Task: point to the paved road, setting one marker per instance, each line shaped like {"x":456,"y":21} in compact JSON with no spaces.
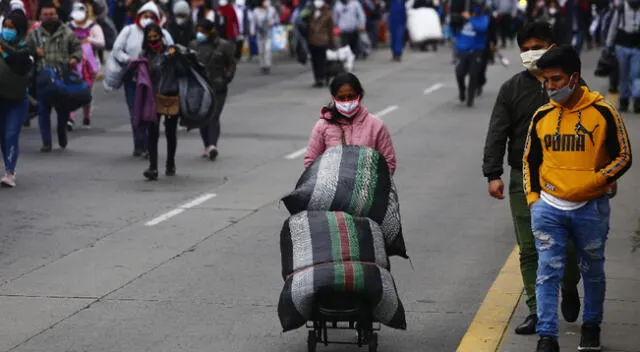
{"x":80,"y":270}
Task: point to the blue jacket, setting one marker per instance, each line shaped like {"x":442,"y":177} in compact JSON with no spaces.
{"x":473,"y":36}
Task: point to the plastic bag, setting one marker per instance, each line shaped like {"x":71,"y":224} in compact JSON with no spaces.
{"x":278,"y":38}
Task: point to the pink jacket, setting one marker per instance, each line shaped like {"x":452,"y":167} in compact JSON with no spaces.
{"x":364,"y":129}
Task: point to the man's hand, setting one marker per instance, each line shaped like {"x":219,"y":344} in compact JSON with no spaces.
{"x":466,"y":15}
{"x":73,"y":62}
{"x":613,"y":189}
{"x":1,"y":49}
{"x":361,"y":28}
{"x":40,"y":52}
{"x":496,"y":189}
{"x":172,"y":50}
{"x":84,"y":40}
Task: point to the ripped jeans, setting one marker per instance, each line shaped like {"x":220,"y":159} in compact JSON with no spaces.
{"x":588,"y":227}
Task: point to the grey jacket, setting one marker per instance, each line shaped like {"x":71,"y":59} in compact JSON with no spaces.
{"x":625,"y":27}
{"x":348,"y":17}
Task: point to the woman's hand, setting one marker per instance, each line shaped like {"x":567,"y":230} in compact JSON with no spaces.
{"x":172,"y":50}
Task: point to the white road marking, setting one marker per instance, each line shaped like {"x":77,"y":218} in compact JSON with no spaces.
{"x":300,"y":152}
{"x":296,"y":154}
{"x":433,"y":88}
{"x":386,"y":110}
{"x":168,"y":215}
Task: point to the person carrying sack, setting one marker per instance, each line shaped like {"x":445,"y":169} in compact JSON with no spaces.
{"x":56,"y":47}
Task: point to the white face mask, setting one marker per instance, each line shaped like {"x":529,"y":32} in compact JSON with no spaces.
{"x":553,"y":11}
{"x":530,"y":58}
{"x":267,"y":3}
{"x":78,"y":15}
{"x":318,"y":4}
{"x":240,"y":2}
{"x":223,"y":3}
{"x":180,"y":20}
{"x":347,"y":108}
{"x":145,"y":22}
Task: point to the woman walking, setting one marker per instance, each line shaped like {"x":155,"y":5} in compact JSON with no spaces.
{"x":92,"y":39}
{"x":265,"y":17}
{"x":320,"y":33}
{"x":155,"y":51}
{"x":15,"y":65}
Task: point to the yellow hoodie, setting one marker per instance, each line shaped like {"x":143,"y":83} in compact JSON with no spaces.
{"x":574,"y":154}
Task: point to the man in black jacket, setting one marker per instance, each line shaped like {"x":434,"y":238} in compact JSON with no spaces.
{"x":517,"y":101}
{"x":218,"y":56}
{"x":180,"y":26}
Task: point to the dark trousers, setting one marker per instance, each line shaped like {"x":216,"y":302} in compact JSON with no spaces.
{"x":318,"y":62}
{"x":352,"y":39}
{"x":211,"y":132}
{"x":239,"y":45}
{"x":469,"y":63}
{"x":171,"y":133}
{"x":44,"y":120}
{"x":505,"y":28}
{"x":372,"y":30}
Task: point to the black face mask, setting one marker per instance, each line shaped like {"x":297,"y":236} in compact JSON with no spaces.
{"x":51,"y":24}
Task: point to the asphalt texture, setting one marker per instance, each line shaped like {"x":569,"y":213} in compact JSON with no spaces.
{"x":80,"y":270}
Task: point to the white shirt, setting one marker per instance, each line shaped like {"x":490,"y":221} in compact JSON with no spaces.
{"x":559,"y":203}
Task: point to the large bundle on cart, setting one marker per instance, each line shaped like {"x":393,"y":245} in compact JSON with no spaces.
{"x":318,"y":237}
{"x":355,"y":180}
{"x":369,"y":281}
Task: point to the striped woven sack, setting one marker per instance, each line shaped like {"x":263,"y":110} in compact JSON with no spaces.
{"x":371,"y":282}
{"x":355,"y":180}
{"x":319,"y":237}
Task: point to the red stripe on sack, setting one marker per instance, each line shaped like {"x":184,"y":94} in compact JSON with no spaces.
{"x":349,"y":279}
{"x":344,"y":236}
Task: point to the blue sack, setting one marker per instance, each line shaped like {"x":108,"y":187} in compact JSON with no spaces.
{"x":64,"y":89}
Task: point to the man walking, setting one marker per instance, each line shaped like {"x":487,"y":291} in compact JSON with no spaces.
{"x":470,"y":44}
{"x":576,"y":149}
{"x":517,"y":101}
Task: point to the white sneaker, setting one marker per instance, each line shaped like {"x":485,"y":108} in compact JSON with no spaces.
{"x":8,"y":181}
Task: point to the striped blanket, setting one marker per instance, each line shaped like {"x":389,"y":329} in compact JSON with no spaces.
{"x":319,"y":237}
{"x":370,"y":281}
{"x":355,"y":180}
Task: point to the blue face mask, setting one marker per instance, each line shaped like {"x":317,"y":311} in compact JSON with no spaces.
{"x":200,"y":37}
{"x":9,"y":35}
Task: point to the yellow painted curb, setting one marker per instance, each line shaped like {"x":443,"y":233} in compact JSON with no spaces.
{"x":488,"y":327}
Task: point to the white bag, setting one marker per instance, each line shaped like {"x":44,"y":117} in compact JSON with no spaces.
{"x":424,"y":24}
{"x":345,"y":55}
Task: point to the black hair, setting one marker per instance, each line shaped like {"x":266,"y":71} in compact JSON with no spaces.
{"x":206,"y":25}
{"x":19,"y":20}
{"x":346,"y":78}
{"x":537,"y":30}
{"x":152,"y":27}
{"x":564,"y":57}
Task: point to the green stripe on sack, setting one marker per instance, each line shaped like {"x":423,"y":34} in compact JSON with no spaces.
{"x":371,"y":186}
{"x":358,"y":277}
{"x":356,"y":197}
{"x":352,"y":233}
{"x":334,"y":232}
{"x":339,"y":277}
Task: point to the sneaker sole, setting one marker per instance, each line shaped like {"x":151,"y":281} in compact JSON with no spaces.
{"x":590,"y":349}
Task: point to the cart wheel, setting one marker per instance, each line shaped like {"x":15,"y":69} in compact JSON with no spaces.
{"x":373,"y":342}
{"x":311,"y":341}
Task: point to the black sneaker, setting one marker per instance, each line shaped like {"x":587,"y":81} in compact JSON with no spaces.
{"x":170,"y":170}
{"x":463,"y":97}
{"x":151,"y":175}
{"x":70,"y":124}
{"x":570,"y":305}
{"x":623,"y":105}
{"x":62,"y":141}
{"x":547,"y":344}
{"x":590,"y":338}
{"x":528,"y":327}
{"x":46,"y":148}
{"x":86,"y":123}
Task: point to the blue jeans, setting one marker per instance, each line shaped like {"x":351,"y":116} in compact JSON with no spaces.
{"x":139,"y":137}
{"x":588,"y":227}
{"x":12,"y":116}
{"x":44,"y":121}
{"x":629,"y":68}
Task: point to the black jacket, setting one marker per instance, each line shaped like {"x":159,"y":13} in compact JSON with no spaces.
{"x":182,"y":35}
{"x":517,"y":101}
{"x":218,"y":57}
